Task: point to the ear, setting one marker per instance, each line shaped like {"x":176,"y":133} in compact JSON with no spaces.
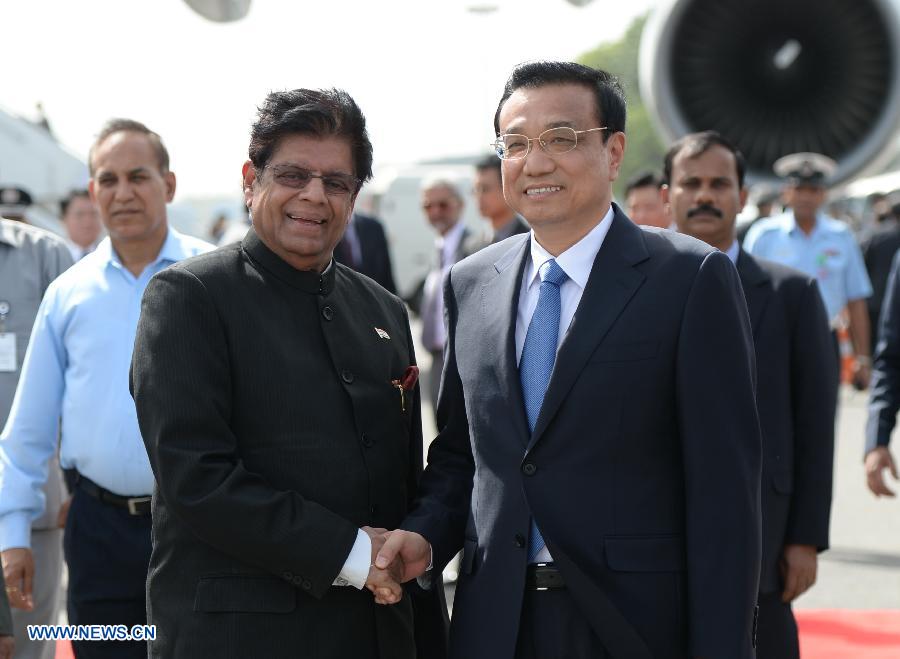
{"x":615,"y":147}
{"x":248,"y":174}
{"x":169,"y":178}
{"x":743,"y":198}
{"x":664,"y":193}
{"x":91,"y":191}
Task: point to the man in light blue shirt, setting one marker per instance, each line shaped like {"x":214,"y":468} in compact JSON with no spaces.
{"x":74,"y":382}
{"x":822,"y":247}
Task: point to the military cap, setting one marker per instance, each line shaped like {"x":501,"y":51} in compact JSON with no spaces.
{"x":13,"y":201}
{"x":805,"y":168}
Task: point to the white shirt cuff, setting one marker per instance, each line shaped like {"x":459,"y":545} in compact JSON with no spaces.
{"x":425,"y":580}
{"x":356,"y":567}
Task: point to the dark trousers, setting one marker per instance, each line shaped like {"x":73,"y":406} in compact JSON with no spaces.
{"x":107,"y":552}
{"x":776,"y":633}
{"x":553,"y":627}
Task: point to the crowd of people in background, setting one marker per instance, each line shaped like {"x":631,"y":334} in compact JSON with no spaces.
{"x":238,"y":431}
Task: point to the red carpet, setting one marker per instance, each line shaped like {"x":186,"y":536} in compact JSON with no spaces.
{"x":824,"y":634}
{"x":846,"y":634}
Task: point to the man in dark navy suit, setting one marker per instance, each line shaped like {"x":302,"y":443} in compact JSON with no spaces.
{"x":796,"y":376}
{"x":598,"y":455}
{"x":364,"y":248}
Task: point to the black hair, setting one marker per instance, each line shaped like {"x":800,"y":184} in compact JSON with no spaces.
{"x":608,"y":93}
{"x":72,"y":196}
{"x":130,"y":126}
{"x":695,"y":144}
{"x":488,"y":162}
{"x":645,"y":179}
{"x":318,"y":112}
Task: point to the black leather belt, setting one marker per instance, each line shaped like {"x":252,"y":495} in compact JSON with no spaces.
{"x":138,"y":506}
{"x":543,"y":576}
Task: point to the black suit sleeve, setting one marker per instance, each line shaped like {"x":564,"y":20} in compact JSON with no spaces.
{"x":181,"y":383}
{"x":813,"y":384}
{"x":885,"y":397}
{"x":446,"y":490}
{"x":719,"y":427}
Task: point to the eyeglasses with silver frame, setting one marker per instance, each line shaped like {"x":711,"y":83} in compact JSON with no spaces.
{"x":555,"y":141}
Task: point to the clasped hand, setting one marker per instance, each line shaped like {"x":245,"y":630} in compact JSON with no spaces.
{"x":397,"y":557}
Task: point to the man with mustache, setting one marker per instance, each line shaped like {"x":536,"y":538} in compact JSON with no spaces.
{"x":796,"y":374}
{"x":74,"y":386}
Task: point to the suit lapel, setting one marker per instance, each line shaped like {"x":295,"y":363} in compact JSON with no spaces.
{"x":755,"y":281}
{"x":500,"y":306}
{"x":612,"y":283}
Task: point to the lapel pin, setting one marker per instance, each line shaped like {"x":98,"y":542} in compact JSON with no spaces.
{"x":381,"y":333}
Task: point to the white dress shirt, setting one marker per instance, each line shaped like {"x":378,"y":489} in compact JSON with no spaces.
{"x":576,"y":262}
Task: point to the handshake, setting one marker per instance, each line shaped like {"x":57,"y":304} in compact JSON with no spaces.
{"x":397,"y":557}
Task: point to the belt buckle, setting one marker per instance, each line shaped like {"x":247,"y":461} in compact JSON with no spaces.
{"x":133,"y":503}
{"x":539,"y":588}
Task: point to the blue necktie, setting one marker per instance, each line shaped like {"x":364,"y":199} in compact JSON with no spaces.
{"x":538,"y":357}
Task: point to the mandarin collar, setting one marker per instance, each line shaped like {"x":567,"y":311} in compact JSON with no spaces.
{"x":304,"y":280}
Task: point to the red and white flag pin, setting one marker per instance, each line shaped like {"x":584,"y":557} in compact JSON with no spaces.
{"x":381,"y":333}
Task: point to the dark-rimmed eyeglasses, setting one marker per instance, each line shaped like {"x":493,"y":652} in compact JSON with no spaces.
{"x":555,"y":141}
{"x":336,"y":184}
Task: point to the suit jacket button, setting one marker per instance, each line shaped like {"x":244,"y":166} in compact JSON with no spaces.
{"x":307,"y":585}
{"x":328,"y":313}
{"x":347,"y":376}
{"x":367,"y":441}
{"x":297,"y":580}
{"x":520,"y":540}
{"x":529,"y":469}
{"x":288,"y":575}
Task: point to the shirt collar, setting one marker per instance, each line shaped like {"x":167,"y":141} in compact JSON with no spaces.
{"x":576,"y":261}
{"x":172,"y":250}
{"x":790,"y":223}
{"x":733,"y":251}
{"x":304,"y":280}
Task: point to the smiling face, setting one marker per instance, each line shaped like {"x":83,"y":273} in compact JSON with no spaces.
{"x":705,"y":195}
{"x":562,"y":196}
{"x":129,"y":189}
{"x":302,"y":226}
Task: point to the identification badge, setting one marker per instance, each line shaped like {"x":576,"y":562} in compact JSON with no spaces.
{"x":8,"y":353}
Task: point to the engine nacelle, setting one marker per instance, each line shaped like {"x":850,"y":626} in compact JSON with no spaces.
{"x":778,"y":77}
